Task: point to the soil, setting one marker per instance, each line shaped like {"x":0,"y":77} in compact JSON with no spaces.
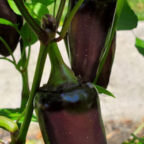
{"x":121,"y":115}
{"x":116,"y":132}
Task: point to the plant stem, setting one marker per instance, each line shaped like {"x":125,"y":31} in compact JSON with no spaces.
{"x":139,"y":129}
{"x":55,"y":55}
{"x":68,"y":20}
{"x":60,"y":11}
{"x":54,"y":8}
{"x":7,"y":59}
{"x":8,"y":124}
{"x":35,"y":85}
{"x":36,"y":28}
{"x":25,"y":89}
{"x":66,"y":35}
{"x":109,"y":37}
{"x":60,"y":73}
{"x":67,"y":45}
{"x":24,"y":74}
{"x":8,"y":48}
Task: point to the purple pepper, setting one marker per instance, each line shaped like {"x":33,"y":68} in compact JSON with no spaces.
{"x":8,"y":33}
{"x":87,"y":36}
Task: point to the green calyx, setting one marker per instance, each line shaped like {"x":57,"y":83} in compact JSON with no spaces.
{"x":61,"y":75}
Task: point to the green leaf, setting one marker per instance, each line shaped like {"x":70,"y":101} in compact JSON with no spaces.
{"x":45,"y":2}
{"x":39,"y":9}
{"x":24,"y":63}
{"x":138,"y":7}
{"x":139,"y":140}
{"x":28,"y":35}
{"x":128,"y":20}
{"x":103,"y":90}
{"x":15,"y":114}
{"x":14,"y":7}
{"x":39,"y":6}
{"x":7,"y":22}
{"x":140,"y":45}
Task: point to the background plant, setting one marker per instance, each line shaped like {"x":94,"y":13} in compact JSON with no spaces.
{"x":37,"y":9}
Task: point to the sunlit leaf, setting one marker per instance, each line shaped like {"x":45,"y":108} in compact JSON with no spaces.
{"x":138,"y":7}
{"x":45,"y":2}
{"x":39,"y":9}
{"x":14,"y":7}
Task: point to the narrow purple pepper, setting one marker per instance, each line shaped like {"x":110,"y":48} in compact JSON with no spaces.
{"x":87,"y":36}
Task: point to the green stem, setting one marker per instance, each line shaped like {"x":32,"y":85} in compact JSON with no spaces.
{"x":25,"y":89}
{"x":8,"y":48}
{"x":68,"y":20}
{"x":60,"y":11}
{"x":54,"y":8}
{"x":55,"y":56}
{"x":7,"y":59}
{"x":13,"y":61}
{"x":67,"y":45}
{"x":19,"y":117}
{"x":36,"y":28}
{"x":139,"y":129}
{"x":24,"y":74}
{"x":70,"y":17}
{"x":8,"y":124}
{"x":66,"y":35}
{"x":109,"y":37}
{"x":35,"y":85}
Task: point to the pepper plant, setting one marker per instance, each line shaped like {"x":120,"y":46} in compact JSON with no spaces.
{"x":67,"y":106}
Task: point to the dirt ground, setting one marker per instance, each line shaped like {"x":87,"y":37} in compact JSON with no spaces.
{"x":121,"y":115}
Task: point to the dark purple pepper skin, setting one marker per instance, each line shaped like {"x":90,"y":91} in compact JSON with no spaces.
{"x":104,"y":77}
{"x":87,"y":36}
{"x":8,"y":33}
{"x":70,"y":116}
